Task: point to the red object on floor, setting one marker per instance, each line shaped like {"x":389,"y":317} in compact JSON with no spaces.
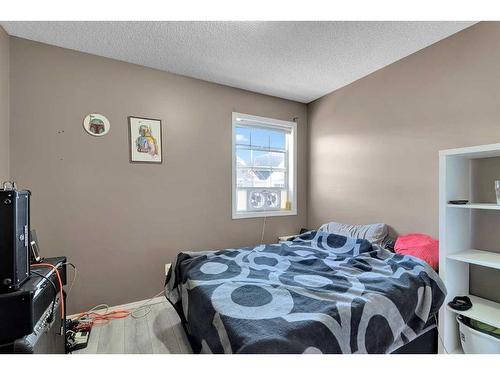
{"x":419,"y":245}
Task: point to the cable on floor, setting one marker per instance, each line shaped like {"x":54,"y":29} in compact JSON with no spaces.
{"x":92,"y":317}
{"x":145,"y":305}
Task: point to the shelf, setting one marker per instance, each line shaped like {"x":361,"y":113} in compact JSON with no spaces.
{"x":483,"y":310}
{"x":479,"y":257}
{"x":479,"y":206}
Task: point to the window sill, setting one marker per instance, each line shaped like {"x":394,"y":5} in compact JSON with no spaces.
{"x":249,"y":215}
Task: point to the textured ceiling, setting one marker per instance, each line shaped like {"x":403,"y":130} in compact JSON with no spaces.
{"x":294,"y":60}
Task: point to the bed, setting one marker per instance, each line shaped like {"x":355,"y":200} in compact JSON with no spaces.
{"x":319,"y":293}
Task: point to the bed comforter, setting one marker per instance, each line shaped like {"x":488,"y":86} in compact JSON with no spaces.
{"x":320,"y":293}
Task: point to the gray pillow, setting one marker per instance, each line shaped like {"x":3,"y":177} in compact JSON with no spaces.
{"x":375,"y":233}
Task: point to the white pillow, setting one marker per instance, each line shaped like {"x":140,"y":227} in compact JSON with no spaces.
{"x":375,"y":233}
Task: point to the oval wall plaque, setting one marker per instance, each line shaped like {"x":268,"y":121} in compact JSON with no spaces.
{"x":96,"y":124}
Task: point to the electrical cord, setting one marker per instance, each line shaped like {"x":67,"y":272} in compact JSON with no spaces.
{"x":263,"y":226}
{"x":143,"y":305}
{"x":89,"y":318}
{"x":59,"y":281}
{"x":98,"y":307}
{"x":55,"y":292}
{"x":92,"y":318}
{"x":263,"y":229}
{"x":75,"y":272}
{"x":85,"y":321}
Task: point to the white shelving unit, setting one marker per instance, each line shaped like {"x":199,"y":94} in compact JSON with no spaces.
{"x":483,"y":310}
{"x":456,"y":251}
{"x":478,"y":206}
{"x":479,"y":257}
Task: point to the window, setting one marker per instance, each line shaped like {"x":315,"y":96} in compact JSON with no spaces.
{"x":264,"y":167}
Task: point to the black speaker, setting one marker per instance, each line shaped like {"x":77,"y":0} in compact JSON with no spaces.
{"x":48,"y":337}
{"x":21,"y":310}
{"x":14,"y":238}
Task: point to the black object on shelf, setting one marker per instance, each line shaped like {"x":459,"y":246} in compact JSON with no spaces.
{"x":459,"y":201}
{"x":460,"y":303}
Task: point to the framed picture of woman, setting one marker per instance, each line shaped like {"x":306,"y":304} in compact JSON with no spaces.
{"x":145,"y":140}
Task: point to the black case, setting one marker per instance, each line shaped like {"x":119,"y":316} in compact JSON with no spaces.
{"x":14,"y":239}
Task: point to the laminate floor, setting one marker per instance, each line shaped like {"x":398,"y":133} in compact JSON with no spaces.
{"x":159,"y":332}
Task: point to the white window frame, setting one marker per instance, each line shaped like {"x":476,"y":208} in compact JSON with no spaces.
{"x":292,"y":150}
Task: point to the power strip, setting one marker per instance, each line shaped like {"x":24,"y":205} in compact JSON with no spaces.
{"x":81,"y":340}
{"x":78,"y":339}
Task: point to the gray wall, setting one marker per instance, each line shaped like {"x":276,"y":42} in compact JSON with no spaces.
{"x":4,"y":105}
{"x":374,"y":144}
{"x":121,"y":222}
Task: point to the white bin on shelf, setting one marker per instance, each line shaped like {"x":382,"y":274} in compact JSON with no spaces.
{"x":475,"y":342}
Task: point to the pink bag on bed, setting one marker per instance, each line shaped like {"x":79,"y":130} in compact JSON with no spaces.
{"x":419,"y":245}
